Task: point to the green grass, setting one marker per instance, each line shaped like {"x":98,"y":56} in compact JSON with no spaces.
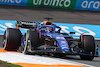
{"x":6,"y":64}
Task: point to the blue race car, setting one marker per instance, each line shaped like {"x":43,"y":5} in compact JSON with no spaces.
{"x":46,"y":38}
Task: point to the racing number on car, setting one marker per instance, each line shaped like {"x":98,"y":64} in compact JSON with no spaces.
{"x":79,"y":30}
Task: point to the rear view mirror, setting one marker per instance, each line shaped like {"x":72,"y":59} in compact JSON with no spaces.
{"x":72,"y":32}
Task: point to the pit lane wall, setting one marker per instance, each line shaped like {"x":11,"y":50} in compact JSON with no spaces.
{"x":66,"y":4}
{"x":66,"y":28}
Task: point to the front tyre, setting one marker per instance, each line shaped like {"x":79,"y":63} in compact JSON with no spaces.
{"x":88,"y":45}
{"x":32,"y":41}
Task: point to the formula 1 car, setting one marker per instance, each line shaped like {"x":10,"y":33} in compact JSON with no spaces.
{"x":45,"y":37}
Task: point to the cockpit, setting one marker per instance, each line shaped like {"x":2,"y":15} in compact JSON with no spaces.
{"x":50,"y":29}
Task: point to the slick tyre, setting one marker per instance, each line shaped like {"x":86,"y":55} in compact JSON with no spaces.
{"x":32,"y":41}
{"x":88,"y":44}
{"x":12,"y":39}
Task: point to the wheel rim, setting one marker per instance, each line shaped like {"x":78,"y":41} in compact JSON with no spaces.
{"x":26,"y":44}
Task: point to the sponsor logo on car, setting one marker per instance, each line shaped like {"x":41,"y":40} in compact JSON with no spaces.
{"x":27,"y":23}
{"x":60,"y":38}
{"x":63,"y":42}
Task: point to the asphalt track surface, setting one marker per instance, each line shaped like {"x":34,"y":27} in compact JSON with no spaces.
{"x":38,"y":14}
{"x":59,"y":15}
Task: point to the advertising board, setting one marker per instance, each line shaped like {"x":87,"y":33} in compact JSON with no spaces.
{"x":88,"y":5}
{"x":67,"y":4}
{"x":14,"y":2}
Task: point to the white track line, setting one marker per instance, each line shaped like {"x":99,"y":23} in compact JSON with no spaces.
{"x":22,"y":58}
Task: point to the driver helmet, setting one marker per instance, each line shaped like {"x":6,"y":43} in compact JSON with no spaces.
{"x":51,"y":29}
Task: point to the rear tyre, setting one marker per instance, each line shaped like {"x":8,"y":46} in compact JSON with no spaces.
{"x":32,"y":41}
{"x":12,"y":39}
{"x":88,"y":44}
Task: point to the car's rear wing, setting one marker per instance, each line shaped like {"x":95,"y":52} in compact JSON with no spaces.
{"x":27,"y":24}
